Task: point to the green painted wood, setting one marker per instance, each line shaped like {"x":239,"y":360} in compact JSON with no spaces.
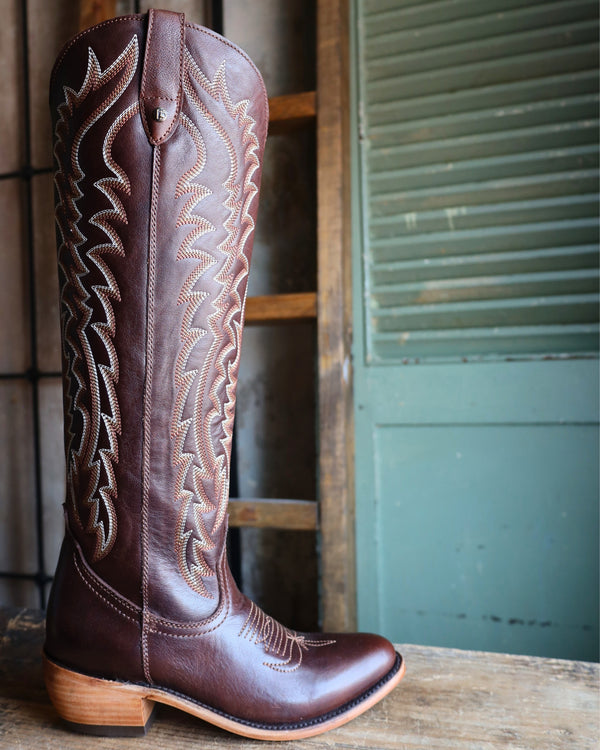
{"x":479,"y":132}
{"x":476,"y":327}
{"x":485,"y":548}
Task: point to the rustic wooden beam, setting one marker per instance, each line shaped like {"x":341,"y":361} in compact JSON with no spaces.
{"x":281,"y":308}
{"x":95,"y":11}
{"x":297,"y":515}
{"x":291,"y":111}
{"x":334,"y":283}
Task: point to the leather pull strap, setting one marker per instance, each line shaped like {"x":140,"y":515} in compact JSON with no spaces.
{"x":160,"y":93}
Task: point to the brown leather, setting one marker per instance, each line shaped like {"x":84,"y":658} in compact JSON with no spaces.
{"x":161,"y":88}
{"x":155,"y":223}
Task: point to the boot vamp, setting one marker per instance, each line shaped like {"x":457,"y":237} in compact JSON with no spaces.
{"x":249,"y":666}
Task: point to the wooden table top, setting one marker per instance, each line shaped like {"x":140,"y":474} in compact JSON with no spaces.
{"x":448,"y":699}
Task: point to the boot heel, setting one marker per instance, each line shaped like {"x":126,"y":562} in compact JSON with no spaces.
{"x":94,"y":706}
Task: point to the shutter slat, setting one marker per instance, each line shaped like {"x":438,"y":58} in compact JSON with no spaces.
{"x":583,"y":281}
{"x":461,"y":266}
{"x":485,"y":145}
{"x":486,"y":342}
{"x":485,"y":216}
{"x":480,"y":50}
{"x":497,"y":238}
{"x":417,"y":105}
{"x":480,"y":155}
{"x":523,"y":189}
{"x":387,"y":15}
{"x":577,"y":308}
{"x":444,"y":174}
{"x":469,"y":75}
{"x":490,"y":26}
{"x":513,"y":117}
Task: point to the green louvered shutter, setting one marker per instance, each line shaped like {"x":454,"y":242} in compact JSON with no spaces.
{"x":480,"y":134}
{"x":475,"y":307}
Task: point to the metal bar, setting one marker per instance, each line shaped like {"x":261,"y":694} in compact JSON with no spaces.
{"x":27,"y":177}
{"x":40,"y":578}
{"x":25,"y":173}
{"x":31,"y":375}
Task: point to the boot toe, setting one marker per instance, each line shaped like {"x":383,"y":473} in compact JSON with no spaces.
{"x":351,"y":667}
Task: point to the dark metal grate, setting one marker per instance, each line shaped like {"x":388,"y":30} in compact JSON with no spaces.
{"x":33,"y":374}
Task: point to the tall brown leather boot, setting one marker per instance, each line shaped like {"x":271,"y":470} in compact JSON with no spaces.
{"x":159,"y":132}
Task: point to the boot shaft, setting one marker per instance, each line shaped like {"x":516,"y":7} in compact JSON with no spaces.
{"x":159,"y":131}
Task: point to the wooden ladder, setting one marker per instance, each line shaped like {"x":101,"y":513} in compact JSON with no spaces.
{"x":330,"y":305}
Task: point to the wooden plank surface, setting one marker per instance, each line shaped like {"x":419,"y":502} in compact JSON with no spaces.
{"x":334,"y":283}
{"x":449,"y":699}
{"x":281,"y":308}
{"x":291,"y":111}
{"x":296,"y":515}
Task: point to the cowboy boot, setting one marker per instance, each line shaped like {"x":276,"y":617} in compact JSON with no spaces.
{"x":159,"y":129}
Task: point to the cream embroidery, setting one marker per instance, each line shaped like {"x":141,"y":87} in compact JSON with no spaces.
{"x":207,"y":394}
{"x":90,"y":470}
{"x":286,"y":645}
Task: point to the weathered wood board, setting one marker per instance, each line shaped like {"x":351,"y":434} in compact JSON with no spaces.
{"x":448,"y":699}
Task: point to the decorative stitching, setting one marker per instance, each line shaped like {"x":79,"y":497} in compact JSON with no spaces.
{"x":158,"y":96}
{"x":242,"y":54}
{"x":277,"y":640}
{"x":208,"y":393}
{"x":82,"y":34}
{"x":198,"y":633}
{"x":87,"y":464}
{"x":99,"y":595}
{"x":162,"y":624}
{"x":196,"y":27}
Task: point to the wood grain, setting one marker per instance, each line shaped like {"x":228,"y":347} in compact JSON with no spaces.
{"x":336,"y":425}
{"x":281,"y":308}
{"x":92,"y":12}
{"x":297,"y":515}
{"x":450,"y":699}
{"x":291,"y":111}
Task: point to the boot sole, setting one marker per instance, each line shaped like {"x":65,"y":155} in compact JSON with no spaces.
{"x":91,"y":705}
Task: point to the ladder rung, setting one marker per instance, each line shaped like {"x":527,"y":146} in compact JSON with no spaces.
{"x":297,"y":515}
{"x":291,"y":111}
{"x":281,"y":308}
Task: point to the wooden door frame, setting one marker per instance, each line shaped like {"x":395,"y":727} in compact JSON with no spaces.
{"x":334,"y":284}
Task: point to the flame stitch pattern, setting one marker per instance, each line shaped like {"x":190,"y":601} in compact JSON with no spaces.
{"x":277,"y":640}
{"x":84,"y":377}
{"x":207,"y":469}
